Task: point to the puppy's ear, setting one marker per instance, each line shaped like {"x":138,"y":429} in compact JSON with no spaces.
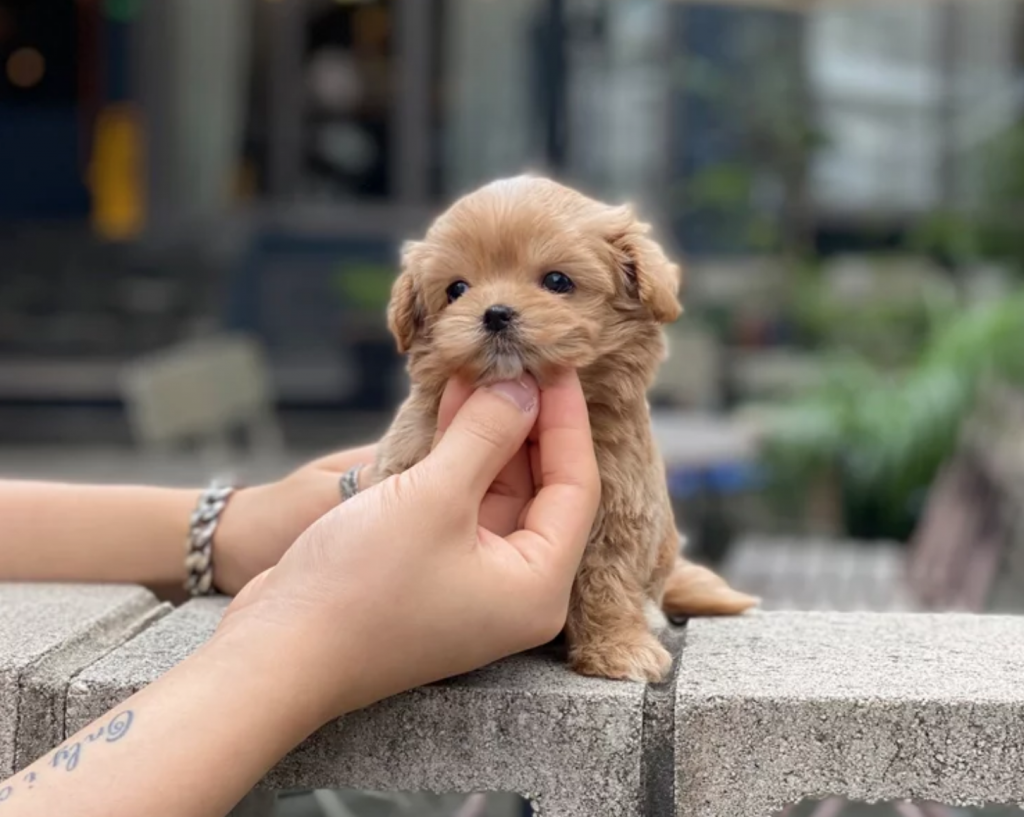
{"x":650,"y":276}
{"x":405,"y":309}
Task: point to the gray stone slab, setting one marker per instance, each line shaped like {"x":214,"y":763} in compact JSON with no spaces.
{"x":137,"y":663}
{"x":48,"y":633}
{"x":775,"y":707}
{"x":526,"y":725}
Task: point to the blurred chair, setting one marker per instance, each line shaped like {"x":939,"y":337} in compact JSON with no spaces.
{"x":203,"y":393}
{"x":966,"y":554}
{"x":969,"y":548}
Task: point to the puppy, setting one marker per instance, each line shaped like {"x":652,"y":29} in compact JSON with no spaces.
{"x":528,"y":275}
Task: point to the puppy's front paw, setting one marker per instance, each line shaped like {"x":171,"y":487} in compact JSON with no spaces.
{"x":640,"y":659}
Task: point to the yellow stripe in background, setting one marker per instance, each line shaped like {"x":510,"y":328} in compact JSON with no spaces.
{"x":116,"y":174}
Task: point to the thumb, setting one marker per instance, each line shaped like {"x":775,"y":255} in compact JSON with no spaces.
{"x":489,"y":428}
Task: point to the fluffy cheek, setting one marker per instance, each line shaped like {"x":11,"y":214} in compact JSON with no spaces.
{"x":456,"y":340}
{"x":563,"y":338}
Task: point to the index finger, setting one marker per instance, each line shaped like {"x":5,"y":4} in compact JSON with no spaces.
{"x":341,"y":461}
{"x":559,"y":520}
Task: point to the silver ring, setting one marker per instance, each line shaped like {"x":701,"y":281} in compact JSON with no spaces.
{"x":349,"y":482}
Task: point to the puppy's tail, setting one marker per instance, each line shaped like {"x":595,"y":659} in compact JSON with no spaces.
{"x":692,"y":590}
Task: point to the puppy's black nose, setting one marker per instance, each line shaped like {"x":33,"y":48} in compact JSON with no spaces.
{"x":497,"y":318}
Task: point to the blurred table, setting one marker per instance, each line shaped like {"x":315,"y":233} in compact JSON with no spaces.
{"x":690,"y":440}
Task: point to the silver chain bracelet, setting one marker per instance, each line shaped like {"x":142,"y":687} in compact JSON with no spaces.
{"x":199,"y":546}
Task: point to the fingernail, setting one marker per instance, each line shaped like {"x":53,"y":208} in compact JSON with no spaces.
{"x":519,"y":392}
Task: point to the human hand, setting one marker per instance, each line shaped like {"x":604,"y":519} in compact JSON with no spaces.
{"x":467,"y":557}
{"x":261,"y":522}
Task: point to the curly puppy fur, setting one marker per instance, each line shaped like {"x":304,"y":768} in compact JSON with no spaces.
{"x":501,"y":241}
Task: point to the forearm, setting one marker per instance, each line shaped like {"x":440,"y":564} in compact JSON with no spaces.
{"x":57,"y":532}
{"x":190,"y":745}
{"x":82,"y":533}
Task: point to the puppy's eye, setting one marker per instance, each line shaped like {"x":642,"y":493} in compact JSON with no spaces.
{"x":558,"y":282}
{"x":456,"y":290}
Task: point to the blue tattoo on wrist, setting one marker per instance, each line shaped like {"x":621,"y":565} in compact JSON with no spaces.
{"x":119,"y":726}
{"x":67,"y":757}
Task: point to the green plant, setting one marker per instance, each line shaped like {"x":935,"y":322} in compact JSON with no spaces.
{"x":999,"y":232}
{"x":727,"y":191}
{"x":887,"y":434}
{"x":948,"y":235}
{"x":887,"y":328}
{"x":364,"y":286}
{"x":987,"y":227}
{"x":363,"y":289}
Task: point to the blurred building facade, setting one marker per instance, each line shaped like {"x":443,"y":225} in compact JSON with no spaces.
{"x":172,"y":166}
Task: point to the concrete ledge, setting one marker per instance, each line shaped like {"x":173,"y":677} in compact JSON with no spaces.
{"x":762,"y":711}
{"x":120,"y":674}
{"x":48,"y":633}
{"x":571,"y":745}
{"x":527,"y":725}
{"x":773,"y":708}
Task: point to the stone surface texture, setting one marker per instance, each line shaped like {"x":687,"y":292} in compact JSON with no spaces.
{"x":527,"y":725}
{"x":775,"y":707}
{"x":571,"y":745}
{"x":139,"y":662}
{"x":48,"y":633}
{"x":763,"y":710}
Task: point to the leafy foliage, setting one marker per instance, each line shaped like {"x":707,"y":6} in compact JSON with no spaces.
{"x":887,"y":434}
{"x":364,"y":286}
{"x":888,"y":331}
{"x":989,"y":227}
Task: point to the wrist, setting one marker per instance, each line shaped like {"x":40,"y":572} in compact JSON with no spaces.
{"x":220,"y":720}
{"x":277,"y":670}
{"x":324,"y":659}
{"x":247,"y":524}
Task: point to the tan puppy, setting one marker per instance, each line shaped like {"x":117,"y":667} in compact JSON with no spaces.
{"x":528,"y":275}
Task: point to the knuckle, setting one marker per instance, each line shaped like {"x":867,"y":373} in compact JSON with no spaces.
{"x":403,"y":490}
{"x":412,"y":493}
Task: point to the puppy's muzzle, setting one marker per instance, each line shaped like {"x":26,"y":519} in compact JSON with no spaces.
{"x":498,"y":318}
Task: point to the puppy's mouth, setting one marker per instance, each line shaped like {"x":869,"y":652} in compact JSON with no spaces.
{"x":502,"y":357}
{"x":509,"y":355}
{"x":484,"y":354}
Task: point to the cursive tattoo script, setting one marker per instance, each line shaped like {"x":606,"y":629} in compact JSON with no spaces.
{"x":66,"y":758}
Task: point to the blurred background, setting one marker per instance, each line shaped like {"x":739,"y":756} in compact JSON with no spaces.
{"x":201,"y":204}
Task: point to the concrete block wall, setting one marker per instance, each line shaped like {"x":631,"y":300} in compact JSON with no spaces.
{"x":49,"y":634}
{"x":760,"y":712}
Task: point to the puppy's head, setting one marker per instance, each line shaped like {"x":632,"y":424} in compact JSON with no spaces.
{"x":527,"y":275}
